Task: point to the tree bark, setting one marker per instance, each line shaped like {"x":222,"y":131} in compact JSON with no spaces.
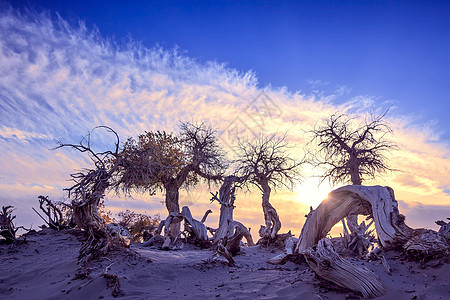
{"x":196,"y":228}
{"x":380,"y":203}
{"x":273,"y":223}
{"x":101,"y":238}
{"x":226,"y":200}
{"x":172,"y":204}
{"x":332,"y":267}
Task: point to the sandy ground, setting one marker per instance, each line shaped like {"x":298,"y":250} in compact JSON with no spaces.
{"x":45,"y":266}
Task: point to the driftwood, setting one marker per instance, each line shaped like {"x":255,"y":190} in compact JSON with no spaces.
{"x":196,"y":229}
{"x":173,"y":219}
{"x":445,"y":228}
{"x":379,"y":203}
{"x":332,"y":267}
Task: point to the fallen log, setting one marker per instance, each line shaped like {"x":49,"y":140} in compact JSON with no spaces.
{"x":332,"y":267}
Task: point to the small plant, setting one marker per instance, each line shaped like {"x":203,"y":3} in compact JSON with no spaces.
{"x":140,"y":226}
{"x":7,"y":228}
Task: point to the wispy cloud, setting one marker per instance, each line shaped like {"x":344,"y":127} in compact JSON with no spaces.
{"x":58,"y":81}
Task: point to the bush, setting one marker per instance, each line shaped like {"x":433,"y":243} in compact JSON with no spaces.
{"x":140,"y":226}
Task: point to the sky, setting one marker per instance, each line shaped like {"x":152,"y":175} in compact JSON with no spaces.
{"x":245,"y":68}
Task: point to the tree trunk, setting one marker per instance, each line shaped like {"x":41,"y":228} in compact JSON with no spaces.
{"x":380,"y":203}
{"x":273,"y":223}
{"x":101,"y":238}
{"x":172,"y":204}
{"x":355,"y":177}
{"x":352,"y":219}
{"x":226,"y":200}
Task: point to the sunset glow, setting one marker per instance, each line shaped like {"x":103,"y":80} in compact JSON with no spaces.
{"x":59,"y":79}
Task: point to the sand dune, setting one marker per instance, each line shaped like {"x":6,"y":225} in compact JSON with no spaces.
{"x":45,"y":267}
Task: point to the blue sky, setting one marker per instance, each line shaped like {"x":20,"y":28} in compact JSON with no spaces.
{"x":60,"y":77}
{"x":395,"y":51}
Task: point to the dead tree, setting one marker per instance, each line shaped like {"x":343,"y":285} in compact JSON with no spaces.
{"x":226,"y":197}
{"x":350,"y":153}
{"x":268,"y":165}
{"x":89,"y":188}
{"x":445,"y":228}
{"x":55,"y":219}
{"x":227,"y":237}
{"x":8,"y":229}
{"x":195,"y":228}
{"x":379,"y":203}
{"x":166,"y":161}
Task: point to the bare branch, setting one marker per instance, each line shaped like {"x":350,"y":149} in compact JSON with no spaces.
{"x":350,"y":153}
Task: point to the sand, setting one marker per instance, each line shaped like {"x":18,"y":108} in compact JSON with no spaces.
{"x":45,"y":267}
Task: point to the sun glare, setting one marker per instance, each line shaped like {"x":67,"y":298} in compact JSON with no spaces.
{"x":311,"y":193}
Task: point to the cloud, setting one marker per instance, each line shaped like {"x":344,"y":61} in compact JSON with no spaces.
{"x":59,"y":80}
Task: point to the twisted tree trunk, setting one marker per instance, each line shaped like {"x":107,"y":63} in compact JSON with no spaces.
{"x":226,"y":200}
{"x":380,"y":203}
{"x":172,"y":204}
{"x":272,"y":221}
{"x":101,"y":238}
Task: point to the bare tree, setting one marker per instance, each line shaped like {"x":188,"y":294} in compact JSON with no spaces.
{"x":351,"y":153}
{"x":89,"y":188}
{"x":268,"y":165}
{"x":165,"y":161}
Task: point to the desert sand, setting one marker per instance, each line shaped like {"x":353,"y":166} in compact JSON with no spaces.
{"x":44,"y":266}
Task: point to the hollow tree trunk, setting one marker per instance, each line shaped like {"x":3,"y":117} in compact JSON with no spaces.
{"x":273,"y":223}
{"x":172,"y":204}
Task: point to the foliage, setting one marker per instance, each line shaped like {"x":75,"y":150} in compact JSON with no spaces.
{"x":140,"y":226}
{"x":350,"y":152}
{"x":149,"y":161}
{"x":105,"y":213}
{"x":154,"y":159}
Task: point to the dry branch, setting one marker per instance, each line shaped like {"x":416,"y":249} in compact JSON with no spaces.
{"x":54,"y":215}
{"x":8,"y":229}
{"x":89,"y":188}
